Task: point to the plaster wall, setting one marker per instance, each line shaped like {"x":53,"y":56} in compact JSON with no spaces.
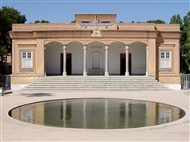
{"x":39,"y":65}
{"x":138,"y":55}
{"x":52,"y":57}
{"x":77,"y":57}
{"x":115,"y":50}
{"x":152,"y":57}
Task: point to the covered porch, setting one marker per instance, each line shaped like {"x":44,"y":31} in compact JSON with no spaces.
{"x":96,"y":58}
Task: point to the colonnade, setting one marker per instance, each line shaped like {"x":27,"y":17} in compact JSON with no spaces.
{"x":106,"y":60}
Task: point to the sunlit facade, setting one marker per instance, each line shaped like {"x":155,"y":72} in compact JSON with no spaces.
{"x":96,"y":45}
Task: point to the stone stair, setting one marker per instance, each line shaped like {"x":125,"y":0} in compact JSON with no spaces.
{"x":95,"y":83}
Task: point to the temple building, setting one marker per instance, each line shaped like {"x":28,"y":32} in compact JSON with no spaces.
{"x":96,"y":45}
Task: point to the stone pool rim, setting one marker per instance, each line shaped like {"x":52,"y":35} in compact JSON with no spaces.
{"x":13,"y":120}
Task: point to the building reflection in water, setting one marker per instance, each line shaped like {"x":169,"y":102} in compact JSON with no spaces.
{"x":97,"y":113}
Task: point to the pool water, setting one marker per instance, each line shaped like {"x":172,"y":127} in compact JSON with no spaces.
{"x":97,"y":113}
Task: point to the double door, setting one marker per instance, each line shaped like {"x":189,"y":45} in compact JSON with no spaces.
{"x":123,"y":63}
{"x":68,"y":64}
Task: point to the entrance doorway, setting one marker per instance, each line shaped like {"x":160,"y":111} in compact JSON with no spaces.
{"x":123,"y":63}
{"x":68,"y":64}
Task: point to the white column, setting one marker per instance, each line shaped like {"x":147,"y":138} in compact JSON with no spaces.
{"x":147,"y":60}
{"x":44,"y":61}
{"x":84,"y":71}
{"x":106,"y":61}
{"x":64,"y":60}
{"x":127,"y":60}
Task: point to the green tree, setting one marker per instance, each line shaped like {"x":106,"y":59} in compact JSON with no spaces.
{"x":176,"y":19}
{"x":185,"y":49}
{"x":42,"y":21}
{"x":74,"y":21}
{"x":186,"y":19}
{"x":158,"y":21}
{"x":8,"y":16}
{"x":184,"y":42}
{"x":37,"y":21}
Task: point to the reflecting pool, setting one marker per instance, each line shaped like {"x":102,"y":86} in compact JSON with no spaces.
{"x":97,"y":113}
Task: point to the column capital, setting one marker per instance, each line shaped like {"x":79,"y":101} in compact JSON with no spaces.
{"x":64,"y":47}
{"x":45,"y":46}
{"x":84,"y":47}
{"x":127,"y":47}
{"x":147,"y":47}
{"x":106,"y":47}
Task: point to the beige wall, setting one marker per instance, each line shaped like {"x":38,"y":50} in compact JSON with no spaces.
{"x":35,"y":36}
{"x":24,"y":79}
{"x":172,"y":77}
{"x":40,"y":57}
{"x":37,"y":46}
{"x":38,"y":60}
{"x":152,"y":57}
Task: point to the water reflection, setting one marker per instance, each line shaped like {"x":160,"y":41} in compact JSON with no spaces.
{"x":97,"y":113}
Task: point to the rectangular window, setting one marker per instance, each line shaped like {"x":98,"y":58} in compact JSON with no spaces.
{"x":26,"y":59}
{"x":105,"y":21}
{"x":85,"y":22}
{"x":165,"y":59}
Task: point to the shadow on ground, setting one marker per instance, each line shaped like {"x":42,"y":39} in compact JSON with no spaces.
{"x":36,"y":94}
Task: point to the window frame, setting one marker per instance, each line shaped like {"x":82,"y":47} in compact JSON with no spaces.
{"x":28,"y":58}
{"x":163,"y":54}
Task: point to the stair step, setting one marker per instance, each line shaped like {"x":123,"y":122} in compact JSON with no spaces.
{"x":95,"y":83}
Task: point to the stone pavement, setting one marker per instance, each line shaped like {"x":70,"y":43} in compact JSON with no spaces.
{"x":14,"y":130}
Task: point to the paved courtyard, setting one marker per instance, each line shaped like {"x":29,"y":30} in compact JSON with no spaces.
{"x":14,"y":130}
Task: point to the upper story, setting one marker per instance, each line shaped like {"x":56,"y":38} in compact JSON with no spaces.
{"x":95,"y":25}
{"x":90,"y":18}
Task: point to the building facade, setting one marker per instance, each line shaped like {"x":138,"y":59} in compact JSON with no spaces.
{"x":96,"y":45}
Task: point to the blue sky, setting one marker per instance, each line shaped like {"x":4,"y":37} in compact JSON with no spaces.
{"x":127,"y":10}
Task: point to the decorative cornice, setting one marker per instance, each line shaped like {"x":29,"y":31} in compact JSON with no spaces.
{"x":171,"y":35}
{"x":135,"y":26}
{"x":129,"y":34}
{"x":165,"y":45}
{"x":76,"y":26}
{"x":148,"y":26}
{"x":45,"y":27}
{"x":167,"y":27}
{"x":22,"y":35}
{"x":87,"y":34}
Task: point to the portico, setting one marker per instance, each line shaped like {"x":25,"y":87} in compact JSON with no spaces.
{"x":96,"y":58}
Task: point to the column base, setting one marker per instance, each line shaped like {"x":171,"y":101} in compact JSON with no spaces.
{"x":126,"y":73}
{"x":106,"y":74}
{"x":84,"y":73}
{"x":146,"y":74}
{"x":45,"y":74}
{"x":64,"y":74}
